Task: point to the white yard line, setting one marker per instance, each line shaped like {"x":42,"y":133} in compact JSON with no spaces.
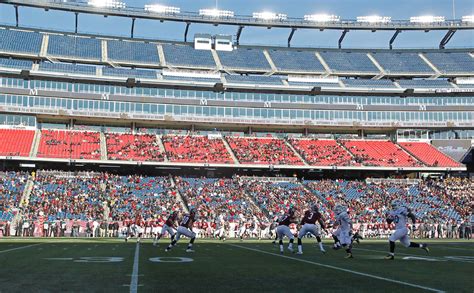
{"x":134,"y":279}
{"x":417,"y":255}
{"x":342,"y":269}
{"x":21,"y":247}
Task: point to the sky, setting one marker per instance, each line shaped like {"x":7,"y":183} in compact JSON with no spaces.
{"x":346,"y":9}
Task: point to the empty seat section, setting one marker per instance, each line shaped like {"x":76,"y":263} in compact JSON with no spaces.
{"x":369,"y":83}
{"x":20,"y":41}
{"x":321,"y":152}
{"x":125,"y":72}
{"x":187,"y":56}
{"x":69,"y":144}
{"x":68,"y":68}
{"x":16,"y":142}
{"x":244,"y":59}
{"x":133,"y":147}
{"x":450,"y":63}
{"x":298,"y":61}
{"x":196,"y":149}
{"x":78,"y":47}
{"x":351,"y":62}
{"x":263,"y":151}
{"x":16,"y":63}
{"x":254,"y":79}
{"x":429,"y":155}
{"x":133,"y":52}
{"x":424,"y":83}
{"x":379,"y":153}
{"x":394,"y":63}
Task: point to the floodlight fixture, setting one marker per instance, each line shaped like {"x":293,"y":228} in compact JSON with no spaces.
{"x":322,"y":18}
{"x":157,"y":8}
{"x":468,"y":18}
{"x":427,"y":19}
{"x":107,"y":3}
{"x":374,"y":19}
{"x":269,"y":16}
{"x":216,"y":13}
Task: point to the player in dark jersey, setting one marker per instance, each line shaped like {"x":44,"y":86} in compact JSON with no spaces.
{"x":283,"y":229}
{"x":136,"y":229}
{"x":185,"y":228}
{"x":308,"y":225}
{"x":168,"y":227}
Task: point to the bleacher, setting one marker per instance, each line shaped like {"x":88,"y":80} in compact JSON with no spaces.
{"x":15,"y":63}
{"x":12,"y":185}
{"x":69,"y":144}
{"x":16,"y":142}
{"x":126,"y":72}
{"x":133,"y":147}
{"x":402,"y":63}
{"x":428,"y":154}
{"x":23,"y":42}
{"x":68,"y":68}
{"x":379,"y":153}
{"x":424,"y":83}
{"x":75,"y":47}
{"x":132,"y":52}
{"x":369,"y":83}
{"x":322,"y":152}
{"x":244,"y":59}
{"x":296,"y":61}
{"x":187,"y":56}
{"x":190,"y":79}
{"x":452,"y":63}
{"x":254,"y":79}
{"x":349,"y":62}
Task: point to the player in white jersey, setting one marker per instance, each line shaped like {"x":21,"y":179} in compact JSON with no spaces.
{"x":399,"y":215}
{"x":342,"y":235}
{"x":283,"y":229}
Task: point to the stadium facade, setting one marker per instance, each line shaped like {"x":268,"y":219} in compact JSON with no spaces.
{"x":381,"y":111}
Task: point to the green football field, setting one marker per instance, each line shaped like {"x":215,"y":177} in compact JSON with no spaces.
{"x":111,"y":265}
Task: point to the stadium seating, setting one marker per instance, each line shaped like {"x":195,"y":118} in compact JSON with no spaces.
{"x":131,"y":147}
{"x":263,"y":151}
{"x":428,"y":154}
{"x":254,"y":79}
{"x":350,"y":62}
{"x":196,"y":149}
{"x":369,"y":83}
{"x":132,"y":52}
{"x":395,"y":63}
{"x":191,"y":79}
{"x":125,"y":72}
{"x":244,"y":59}
{"x":68,"y":68}
{"x":12,"y":185}
{"x":451,"y":63}
{"x":20,"y":41}
{"x":379,"y":153}
{"x":16,"y":63}
{"x":69,"y":144}
{"x":74,"y":47}
{"x":187,"y":56}
{"x":16,"y":142}
{"x":296,"y":61}
{"x":215,"y":197}
{"x":425,"y":83}
{"x":322,"y":152}
{"x":315,"y":84}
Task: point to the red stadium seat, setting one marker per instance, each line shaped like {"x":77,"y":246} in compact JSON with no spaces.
{"x":429,"y":155}
{"x":16,"y":142}
{"x":69,"y":144}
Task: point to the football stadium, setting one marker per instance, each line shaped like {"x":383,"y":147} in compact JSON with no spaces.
{"x":236,"y":146}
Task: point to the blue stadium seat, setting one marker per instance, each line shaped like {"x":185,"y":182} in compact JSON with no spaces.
{"x":187,"y":56}
{"x":369,"y":83}
{"x":16,"y":63}
{"x":138,"y":52}
{"x":299,"y":61}
{"x":452,"y":62}
{"x":244,"y":59}
{"x":352,"y":62}
{"x":125,"y":72}
{"x":20,"y":41}
{"x":402,"y":63}
{"x":254,"y":79}
{"x":68,"y":46}
{"x":192,"y":79}
{"x":68,"y":68}
{"x":424,"y":83}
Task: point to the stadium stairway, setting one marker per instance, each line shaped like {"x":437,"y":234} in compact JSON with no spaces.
{"x":379,"y":67}
{"x":431,"y":65}
{"x":217,"y":60}
{"x":161,"y":146}
{"x":344,"y":147}
{"x":103,"y":147}
{"x":35,"y":144}
{"x":229,"y":150}
{"x":24,"y":201}
{"x":44,"y":46}
{"x":296,"y":152}
{"x":184,"y":204}
{"x":161,"y":55}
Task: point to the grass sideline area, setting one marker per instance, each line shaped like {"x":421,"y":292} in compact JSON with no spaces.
{"x":111,"y":265}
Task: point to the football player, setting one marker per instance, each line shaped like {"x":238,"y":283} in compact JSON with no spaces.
{"x":136,"y":229}
{"x":308,"y":224}
{"x":283,"y":229}
{"x":185,"y":228}
{"x":399,"y":215}
{"x":168,"y":227}
{"x":342,"y":235}
{"x":220,"y":228}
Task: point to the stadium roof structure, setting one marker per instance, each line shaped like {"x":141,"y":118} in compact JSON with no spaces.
{"x":242,"y":21}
